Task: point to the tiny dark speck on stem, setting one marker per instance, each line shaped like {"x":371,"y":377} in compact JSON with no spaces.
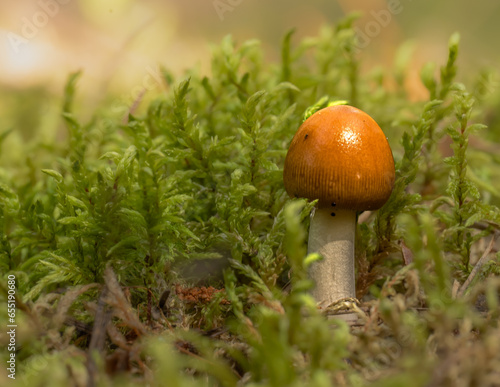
{"x":333,"y":214}
{"x":334,"y":204}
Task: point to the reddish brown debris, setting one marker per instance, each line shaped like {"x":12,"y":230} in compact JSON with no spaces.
{"x":198,"y":295}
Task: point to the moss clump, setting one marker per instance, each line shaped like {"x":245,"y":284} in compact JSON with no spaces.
{"x":99,"y":228}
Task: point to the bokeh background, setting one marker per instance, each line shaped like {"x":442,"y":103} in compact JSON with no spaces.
{"x":117,"y":43}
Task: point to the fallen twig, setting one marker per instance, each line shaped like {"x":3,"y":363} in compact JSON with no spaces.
{"x":479,"y":263}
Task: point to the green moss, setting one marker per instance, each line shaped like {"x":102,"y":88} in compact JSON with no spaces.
{"x":112,"y":209}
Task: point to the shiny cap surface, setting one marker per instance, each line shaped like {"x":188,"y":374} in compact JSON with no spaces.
{"x":340,"y":156}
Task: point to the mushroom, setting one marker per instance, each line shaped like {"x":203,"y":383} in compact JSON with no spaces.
{"x":341,"y":157}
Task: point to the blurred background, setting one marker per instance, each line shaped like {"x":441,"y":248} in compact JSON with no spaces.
{"x":119,"y":43}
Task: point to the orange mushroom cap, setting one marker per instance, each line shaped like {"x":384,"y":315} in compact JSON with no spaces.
{"x":340,"y":156}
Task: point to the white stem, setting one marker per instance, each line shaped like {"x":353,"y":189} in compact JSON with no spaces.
{"x":332,"y":236}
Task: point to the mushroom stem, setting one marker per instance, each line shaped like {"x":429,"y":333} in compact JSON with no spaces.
{"x":332,"y":236}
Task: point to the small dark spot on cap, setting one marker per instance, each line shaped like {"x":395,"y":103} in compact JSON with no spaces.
{"x":305,"y":138}
{"x":332,"y":214}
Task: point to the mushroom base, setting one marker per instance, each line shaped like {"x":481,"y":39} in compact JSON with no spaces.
{"x":332,"y":236}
